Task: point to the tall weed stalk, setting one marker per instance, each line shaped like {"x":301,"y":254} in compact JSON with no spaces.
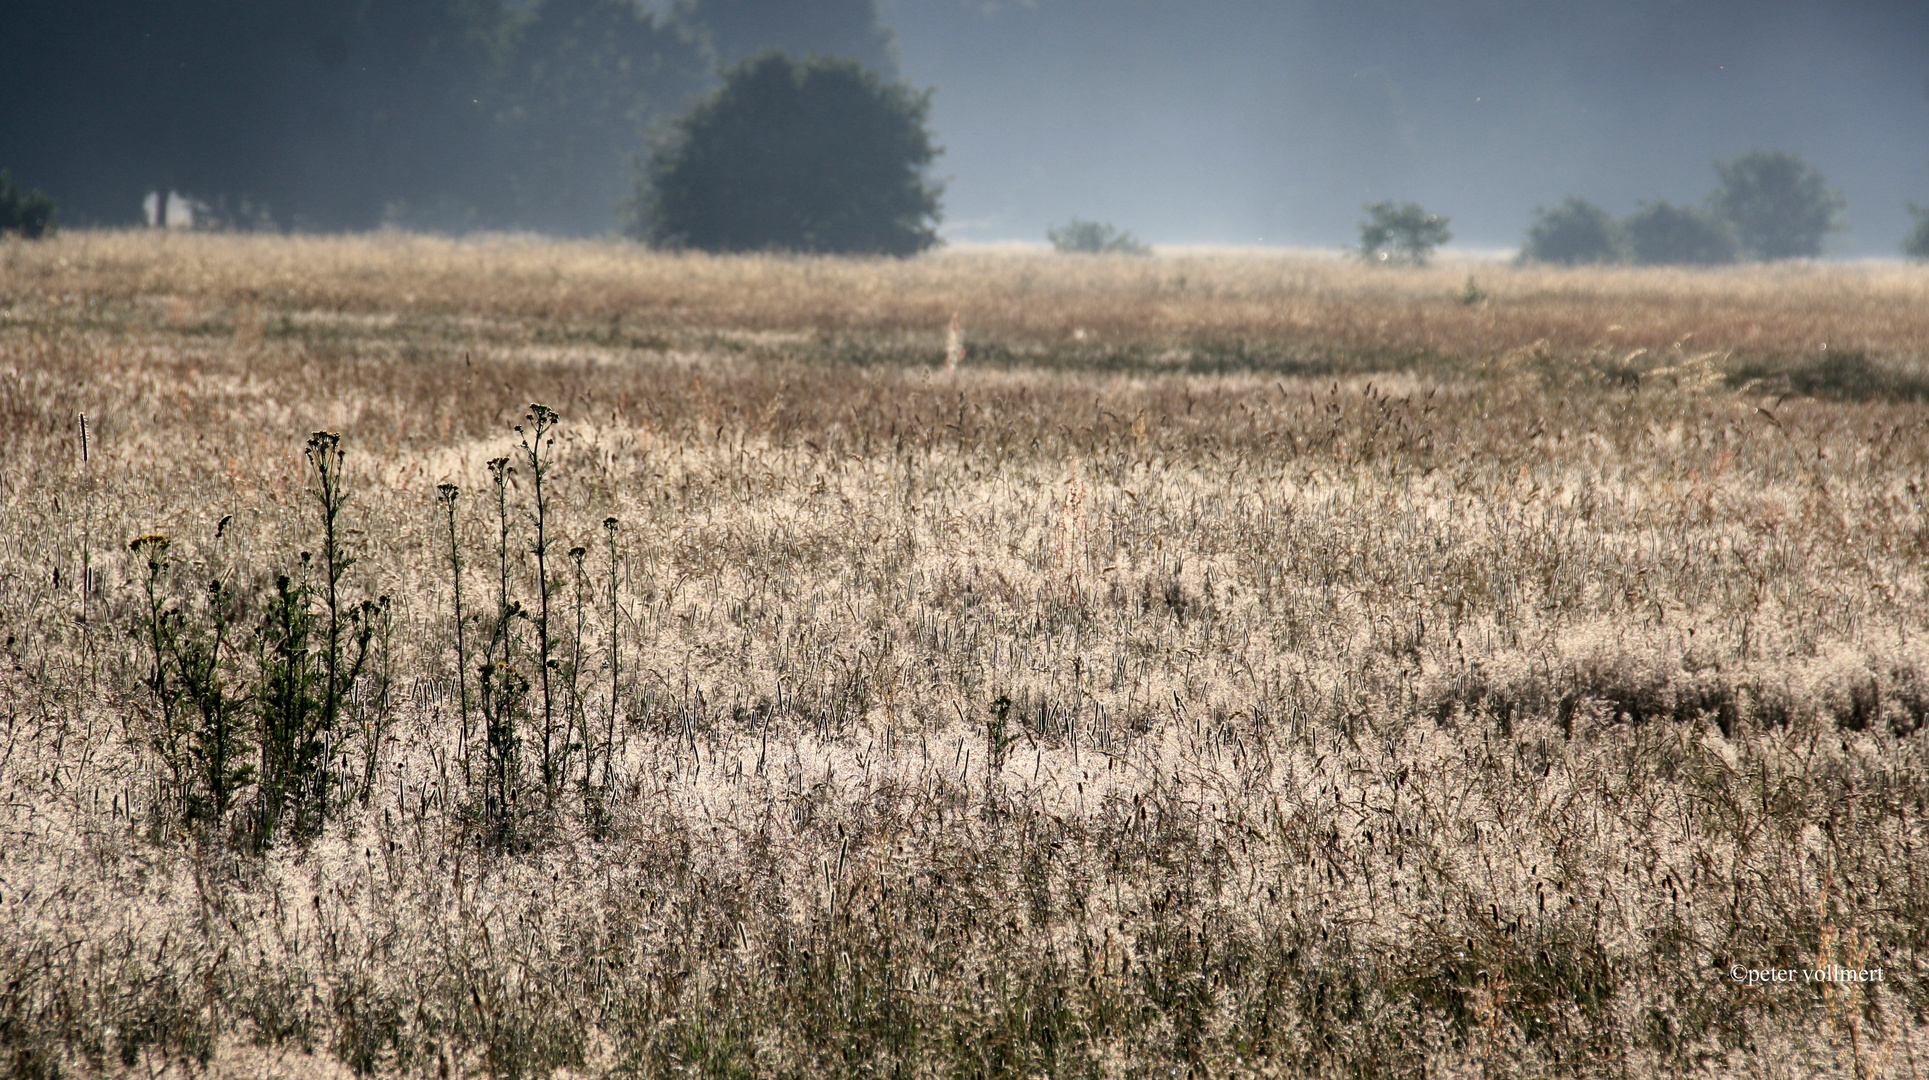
{"x":537,"y":446}
{"x":290,"y":714}
{"x":218,"y":743}
{"x":502,"y":686}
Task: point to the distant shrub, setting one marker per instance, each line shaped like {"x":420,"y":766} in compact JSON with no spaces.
{"x":1094,"y":238}
{"x":1779,"y":207}
{"x":28,"y":213}
{"x":1573,"y":233}
{"x":1404,"y":232}
{"x":1663,"y":234}
{"x":1916,"y":244}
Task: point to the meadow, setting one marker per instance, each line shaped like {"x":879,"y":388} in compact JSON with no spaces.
{"x":991,"y":664}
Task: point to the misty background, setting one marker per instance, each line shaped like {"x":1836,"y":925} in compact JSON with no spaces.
{"x":1217,"y":122}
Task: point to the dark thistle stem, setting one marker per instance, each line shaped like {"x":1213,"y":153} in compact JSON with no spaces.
{"x":447,"y":496}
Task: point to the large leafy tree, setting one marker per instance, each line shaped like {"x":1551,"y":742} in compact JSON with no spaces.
{"x":817,"y":155}
{"x":1780,"y":207}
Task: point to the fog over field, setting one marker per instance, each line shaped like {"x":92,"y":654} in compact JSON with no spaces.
{"x":1248,"y":123}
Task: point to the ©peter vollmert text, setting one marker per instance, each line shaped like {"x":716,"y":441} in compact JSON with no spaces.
{"x":1827,"y":974}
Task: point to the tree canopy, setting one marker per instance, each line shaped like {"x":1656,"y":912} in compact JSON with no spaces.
{"x":1081,"y":237}
{"x":1780,"y":207}
{"x":582,"y":85}
{"x":1401,"y":232}
{"x":1573,"y":233}
{"x":343,"y":114}
{"x":1916,"y":244}
{"x":24,"y":213}
{"x":817,"y":155}
{"x":1663,"y":234}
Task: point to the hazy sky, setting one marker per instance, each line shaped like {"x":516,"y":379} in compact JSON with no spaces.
{"x":1231,"y":122}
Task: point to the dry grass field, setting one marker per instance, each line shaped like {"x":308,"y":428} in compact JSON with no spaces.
{"x":1207,"y":666}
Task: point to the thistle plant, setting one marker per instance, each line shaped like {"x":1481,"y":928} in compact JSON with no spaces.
{"x":536,"y":444}
{"x":579,"y":716}
{"x":218,"y":742}
{"x":325,"y":454}
{"x":499,"y":473}
{"x":291,"y":721}
{"x":87,"y":526}
{"x":154,"y":628}
{"x":502,"y":687}
{"x":374,"y":630}
{"x":152,"y":549}
{"x":446,"y":494}
{"x":609,"y":736}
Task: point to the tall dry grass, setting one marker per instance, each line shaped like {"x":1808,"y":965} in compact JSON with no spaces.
{"x":1233,"y":665}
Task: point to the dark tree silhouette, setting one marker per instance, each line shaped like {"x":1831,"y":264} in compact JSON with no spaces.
{"x":327,"y":112}
{"x":1573,"y":233}
{"x":1081,"y":237}
{"x":1780,"y":207}
{"x":24,"y":213}
{"x":816,"y":156}
{"x":1916,"y":244}
{"x":343,"y":114}
{"x":1663,"y":234}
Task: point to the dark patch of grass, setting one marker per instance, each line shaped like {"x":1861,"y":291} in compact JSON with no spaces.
{"x":1836,"y":375}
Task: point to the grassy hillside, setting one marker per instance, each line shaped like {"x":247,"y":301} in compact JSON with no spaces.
{"x":1209,"y":665}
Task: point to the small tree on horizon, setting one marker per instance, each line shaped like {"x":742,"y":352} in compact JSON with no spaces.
{"x":1402,"y":232}
{"x":1780,"y":208}
{"x":1094,"y":238}
{"x":816,"y":155}
{"x":1916,"y":244}
{"x":28,"y":213}
{"x":1573,"y":233}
